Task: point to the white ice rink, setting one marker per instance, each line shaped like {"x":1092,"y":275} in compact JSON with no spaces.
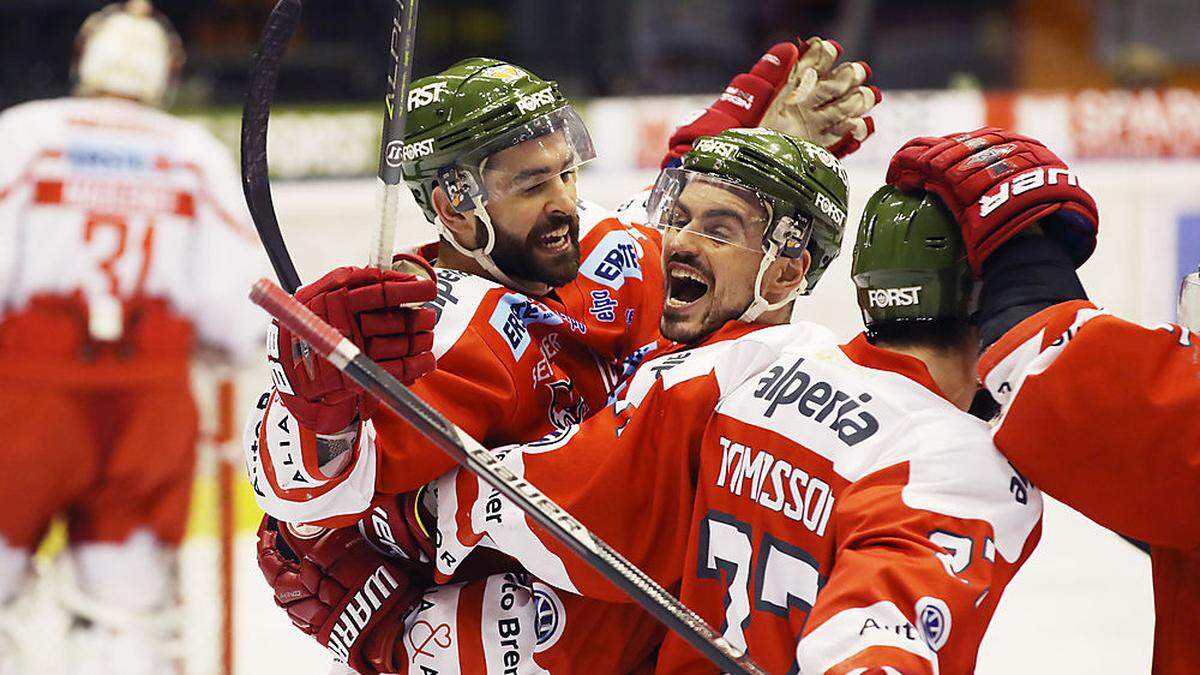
{"x":1082,"y":604}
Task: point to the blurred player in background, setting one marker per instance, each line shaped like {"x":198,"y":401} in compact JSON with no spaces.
{"x":1101,"y":413}
{"x":124,"y":248}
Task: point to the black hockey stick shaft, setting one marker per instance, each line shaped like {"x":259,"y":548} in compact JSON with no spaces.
{"x":404,"y":32}
{"x":256,"y":112}
{"x":391,"y":146}
{"x":339,"y":351}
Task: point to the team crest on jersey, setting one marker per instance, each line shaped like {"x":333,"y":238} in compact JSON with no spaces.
{"x":933,"y":622}
{"x":566,"y":407}
{"x":615,"y":259}
{"x":550,"y":617}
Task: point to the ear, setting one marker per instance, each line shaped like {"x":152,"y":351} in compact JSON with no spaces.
{"x":462,"y":225}
{"x":784,"y":276}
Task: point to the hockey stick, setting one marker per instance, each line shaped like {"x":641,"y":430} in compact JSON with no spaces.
{"x":256,"y":113}
{"x":339,"y":351}
{"x":391,"y":145}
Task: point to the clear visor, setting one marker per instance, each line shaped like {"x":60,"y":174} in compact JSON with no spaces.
{"x":519,"y":161}
{"x":1189,"y":302}
{"x":708,"y":206}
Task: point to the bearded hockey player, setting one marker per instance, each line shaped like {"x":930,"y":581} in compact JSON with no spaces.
{"x":123,"y":246}
{"x":1094,"y":406}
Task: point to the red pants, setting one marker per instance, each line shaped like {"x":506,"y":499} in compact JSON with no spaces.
{"x":111,"y":459}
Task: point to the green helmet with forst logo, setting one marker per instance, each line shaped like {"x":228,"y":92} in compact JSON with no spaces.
{"x":909,"y":261}
{"x":473,"y":109}
{"x":803,"y":185}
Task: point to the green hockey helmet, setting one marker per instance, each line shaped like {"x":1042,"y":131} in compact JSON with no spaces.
{"x":909,"y":261}
{"x":463,"y":115}
{"x":800,"y":186}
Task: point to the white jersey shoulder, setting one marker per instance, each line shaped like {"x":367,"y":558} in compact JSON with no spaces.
{"x":731,"y":362}
{"x":864,"y":420}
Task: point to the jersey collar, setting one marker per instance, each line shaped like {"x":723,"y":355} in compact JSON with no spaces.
{"x":862,"y":352}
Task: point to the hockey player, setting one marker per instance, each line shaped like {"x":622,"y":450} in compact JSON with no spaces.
{"x":838,"y":487}
{"x":1102,"y":413}
{"x":124,"y":246}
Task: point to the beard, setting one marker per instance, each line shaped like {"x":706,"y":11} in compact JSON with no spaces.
{"x":523,"y":258}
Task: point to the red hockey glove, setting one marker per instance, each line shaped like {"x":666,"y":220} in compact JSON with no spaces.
{"x":338,"y":589}
{"x":796,"y":89}
{"x":372,"y":308}
{"x":397,"y":528}
{"x":996,"y":183}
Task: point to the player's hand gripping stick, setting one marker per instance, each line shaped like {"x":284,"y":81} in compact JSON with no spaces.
{"x":328,"y":343}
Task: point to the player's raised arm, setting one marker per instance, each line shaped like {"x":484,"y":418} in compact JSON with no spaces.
{"x":1094,"y":406}
{"x":798,"y":88}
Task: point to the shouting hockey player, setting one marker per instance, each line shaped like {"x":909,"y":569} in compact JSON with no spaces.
{"x":1093,"y":406}
{"x":843,"y":488}
{"x":123,"y":244}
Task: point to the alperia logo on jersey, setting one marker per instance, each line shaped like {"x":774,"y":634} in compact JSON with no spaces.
{"x":797,"y":390}
{"x":1030,"y":180}
{"x":537,"y":99}
{"x":420,"y":97}
{"x":882,"y":298}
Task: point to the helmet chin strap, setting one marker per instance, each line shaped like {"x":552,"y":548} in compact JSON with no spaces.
{"x":760,"y":304}
{"x":483,"y":254}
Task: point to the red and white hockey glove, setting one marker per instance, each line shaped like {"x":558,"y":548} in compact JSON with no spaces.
{"x":997,"y":183}
{"x":371,"y":307}
{"x":397,"y":528}
{"x":335,"y":587}
{"x":794,"y":88}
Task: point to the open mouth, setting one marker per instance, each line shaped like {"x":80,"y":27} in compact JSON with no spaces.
{"x":557,"y":240}
{"x":685,"y":285}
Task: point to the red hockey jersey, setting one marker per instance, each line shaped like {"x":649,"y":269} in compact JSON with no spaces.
{"x":1105,"y":415}
{"x":510,"y":369}
{"x":825,"y":507}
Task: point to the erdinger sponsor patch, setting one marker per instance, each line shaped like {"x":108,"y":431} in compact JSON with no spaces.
{"x":514,"y":314}
{"x":614,"y":260}
{"x":933,"y":622}
{"x":550,"y":617}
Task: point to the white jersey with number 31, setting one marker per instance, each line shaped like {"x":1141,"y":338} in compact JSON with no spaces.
{"x":120,"y":201}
